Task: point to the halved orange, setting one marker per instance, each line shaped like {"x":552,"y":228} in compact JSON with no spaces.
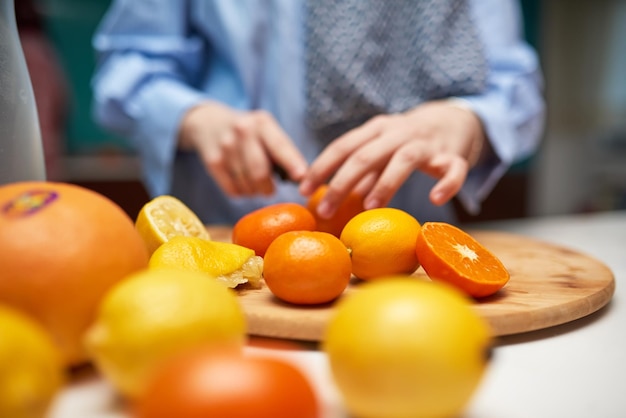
{"x":451,"y":255}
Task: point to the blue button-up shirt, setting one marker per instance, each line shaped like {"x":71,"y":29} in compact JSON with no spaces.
{"x":159,"y":58}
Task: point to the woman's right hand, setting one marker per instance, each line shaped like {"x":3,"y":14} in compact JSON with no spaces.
{"x":239,"y":149}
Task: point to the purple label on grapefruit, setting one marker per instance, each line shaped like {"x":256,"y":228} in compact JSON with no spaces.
{"x":29,"y":203}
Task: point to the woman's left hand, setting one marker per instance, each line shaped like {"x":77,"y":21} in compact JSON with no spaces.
{"x":439,"y":138}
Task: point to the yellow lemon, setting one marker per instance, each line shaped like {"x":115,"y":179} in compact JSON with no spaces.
{"x":165,"y":217}
{"x":153,"y":314}
{"x":406,"y":348}
{"x":228,"y":263}
{"x":31,"y":370}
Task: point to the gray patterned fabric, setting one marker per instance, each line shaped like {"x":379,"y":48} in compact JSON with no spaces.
{"x":367,"y":57}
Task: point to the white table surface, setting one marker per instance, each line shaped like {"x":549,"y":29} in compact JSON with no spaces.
{"x":576,"y":370}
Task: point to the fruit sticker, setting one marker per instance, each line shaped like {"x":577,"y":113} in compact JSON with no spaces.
{"x":28,"y":203}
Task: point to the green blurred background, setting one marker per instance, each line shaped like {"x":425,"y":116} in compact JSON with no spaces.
{"x":70,"y":25}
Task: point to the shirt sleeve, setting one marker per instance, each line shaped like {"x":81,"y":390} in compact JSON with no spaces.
{"x":512,"y":110}
{"x":144,"y":54}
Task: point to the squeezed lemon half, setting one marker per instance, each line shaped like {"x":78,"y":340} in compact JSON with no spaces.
{"x":166,"y":217}
{"x":228,"y":263}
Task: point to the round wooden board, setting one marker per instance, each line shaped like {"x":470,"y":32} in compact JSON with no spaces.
{"x":550,"y":285}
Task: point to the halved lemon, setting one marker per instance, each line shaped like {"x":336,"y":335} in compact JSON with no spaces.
{"x":165,"y":217}
{"x":228,"y":263}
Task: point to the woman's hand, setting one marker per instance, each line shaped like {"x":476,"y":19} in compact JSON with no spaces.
{"x":441,"y":139}
{"x":239,"y":149}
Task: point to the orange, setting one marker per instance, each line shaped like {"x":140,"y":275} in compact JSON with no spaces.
{"x":382,"y":242}
{"x":351,"y":206}
{"x":203,"y":383}
{"x":61,"y":248}
{"x":451,"y":255}
{"x":307,"y":267}
{"x":259,"y":228}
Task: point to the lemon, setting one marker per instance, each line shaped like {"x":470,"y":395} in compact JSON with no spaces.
{"x":31,"y":371}
{"x":228,"y":263}
{"x":406,"y":348}
{"x":153,"y":314}
{"x":165,"y":217}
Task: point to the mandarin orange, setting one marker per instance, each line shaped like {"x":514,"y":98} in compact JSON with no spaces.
{"x":62,"y":247}
{"x":381,"y":242}
{"x":259,"y":228}
{"x":451,"y":255}
{"x":351,"y":206}
{"x":203,"y":382}
{"x":307,"y":267}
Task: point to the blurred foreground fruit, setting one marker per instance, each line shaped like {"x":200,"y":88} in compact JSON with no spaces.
{"x":382,"y":242}
{"x":307,"y":267}
{"x":406,"y":348}
{"x":451,"y":255}
{"x":259,"y":228}
{"x":227,"y":263}
{"x":61,"y":248}
{"x":349,"y":208}
{"x":155,"y":313}
{"x":165,"y":217}
{"x":206,"y":383}
{"x":31,"y":372}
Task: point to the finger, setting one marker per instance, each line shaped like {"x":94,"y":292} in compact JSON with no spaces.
{"x":215,"y":163}
{"x":255,"y":161}
{"x":362,"y":168}
{"x":280,"y":147}
{"x":231,"y":145}
{"x":357,"y":173}
{"x":226,"y":183}
{"x":364,"y":186}
{"x":336,"y":154}
{"x":401,"y":165}
{"x":454,"y":168}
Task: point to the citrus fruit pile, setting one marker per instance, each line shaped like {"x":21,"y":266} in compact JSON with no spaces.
{"x":83,"y":283}
{"x":153,"y":304}
{"x":310,"y":267}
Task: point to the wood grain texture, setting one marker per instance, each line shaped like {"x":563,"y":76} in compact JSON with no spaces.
{"x":550,"y":285}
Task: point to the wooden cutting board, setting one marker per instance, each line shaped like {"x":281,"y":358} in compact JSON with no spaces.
{"x":550,"y":285}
